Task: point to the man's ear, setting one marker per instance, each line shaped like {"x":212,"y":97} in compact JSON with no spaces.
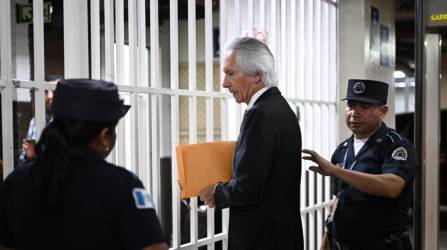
{"x":258,"y":77}
{"x":384,"y":110}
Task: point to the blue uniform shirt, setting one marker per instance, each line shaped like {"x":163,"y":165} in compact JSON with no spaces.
{"x":362,"y":217}
{"x":104,"y":207}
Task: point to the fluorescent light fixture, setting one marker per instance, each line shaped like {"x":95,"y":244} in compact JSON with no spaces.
{"x":399,"y":84}
{"x":404,"y":84}
{"x":399,"y":74}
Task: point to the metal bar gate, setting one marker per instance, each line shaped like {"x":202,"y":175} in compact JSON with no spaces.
{"x":170,"y":73}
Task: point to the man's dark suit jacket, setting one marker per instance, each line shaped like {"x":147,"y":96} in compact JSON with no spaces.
{"x":264,"y":191}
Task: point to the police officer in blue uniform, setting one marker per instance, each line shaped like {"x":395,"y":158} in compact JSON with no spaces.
{"x":69,"y":197}
{"x":372,"y":175}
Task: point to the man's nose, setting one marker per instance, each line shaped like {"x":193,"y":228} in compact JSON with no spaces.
{"x":225,"y":83}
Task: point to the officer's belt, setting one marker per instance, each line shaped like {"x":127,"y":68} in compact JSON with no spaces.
{"x":393,"y":241}
{"x":349,"y":203}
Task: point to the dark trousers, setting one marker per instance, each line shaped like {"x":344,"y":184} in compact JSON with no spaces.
{"x":393,"y":243}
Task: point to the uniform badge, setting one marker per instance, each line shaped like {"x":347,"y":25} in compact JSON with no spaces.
{"x":358,"y":87}
{"x":142,"y":198}
{"x":400,"y":154}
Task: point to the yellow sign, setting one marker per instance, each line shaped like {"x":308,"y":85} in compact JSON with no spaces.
{"x":439,"y":17}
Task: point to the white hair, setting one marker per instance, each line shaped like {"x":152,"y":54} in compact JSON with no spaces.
{"x":253,"y":57}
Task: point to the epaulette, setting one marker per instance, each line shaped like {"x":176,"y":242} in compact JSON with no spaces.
{"x":392,"y":136}
{"x":344,"y":143}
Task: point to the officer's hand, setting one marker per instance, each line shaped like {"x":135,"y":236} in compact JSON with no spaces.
{"x":207,"y":195}
{"x":324,"y":167}
{"x":157,"y":246}
{"x":325,"y":244}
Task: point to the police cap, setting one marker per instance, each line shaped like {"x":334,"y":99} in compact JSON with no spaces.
{"x":88,"y":100}
{"x":369,"y":91}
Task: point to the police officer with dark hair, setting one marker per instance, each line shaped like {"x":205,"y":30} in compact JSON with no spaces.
{"x":372,"y":174}
{"x":69,"y":197}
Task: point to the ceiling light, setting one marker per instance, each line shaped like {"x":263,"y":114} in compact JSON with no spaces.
{"x":399,"y":74}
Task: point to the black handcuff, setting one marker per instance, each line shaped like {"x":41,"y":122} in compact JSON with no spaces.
{"x":328,"y":223}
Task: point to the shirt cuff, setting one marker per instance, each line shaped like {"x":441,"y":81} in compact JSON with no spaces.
{"x":215,"y":186}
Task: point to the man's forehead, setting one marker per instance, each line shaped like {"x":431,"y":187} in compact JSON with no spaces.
{"x":230,"y":56}
{"x":229,"y":53}
{"x":230,"y":63}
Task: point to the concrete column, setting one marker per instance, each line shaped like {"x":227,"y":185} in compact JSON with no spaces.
{"x":431,"y":143}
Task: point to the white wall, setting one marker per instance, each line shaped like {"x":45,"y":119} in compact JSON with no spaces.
{"x":373,"y":68}
{"x":356,"y":59}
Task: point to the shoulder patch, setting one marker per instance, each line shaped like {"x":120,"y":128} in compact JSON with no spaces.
{"x":142,"y":198}
{"x":400,"y":154}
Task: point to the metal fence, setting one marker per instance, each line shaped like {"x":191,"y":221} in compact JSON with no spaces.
{"x":170,"y":75}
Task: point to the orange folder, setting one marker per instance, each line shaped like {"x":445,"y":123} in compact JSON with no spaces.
{"x":203,"y":164}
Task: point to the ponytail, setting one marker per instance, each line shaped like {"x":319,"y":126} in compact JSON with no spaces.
{"x":60,"y":153}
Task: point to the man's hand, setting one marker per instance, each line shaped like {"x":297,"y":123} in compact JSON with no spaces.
{"x":325,"y":243}
{"x":157,"y":246}
{"x":207,"y":195}
{"x":28,"y":147}
{"x":324,"y":167}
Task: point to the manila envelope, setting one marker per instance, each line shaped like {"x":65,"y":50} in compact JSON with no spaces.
{"x":203,"y":164}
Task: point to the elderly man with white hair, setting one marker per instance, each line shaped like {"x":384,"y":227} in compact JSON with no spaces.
{"x":263,"y":193}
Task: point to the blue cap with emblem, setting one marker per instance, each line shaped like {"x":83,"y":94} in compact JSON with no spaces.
{"x":369,"y":91}
{"x":88,"y":100}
